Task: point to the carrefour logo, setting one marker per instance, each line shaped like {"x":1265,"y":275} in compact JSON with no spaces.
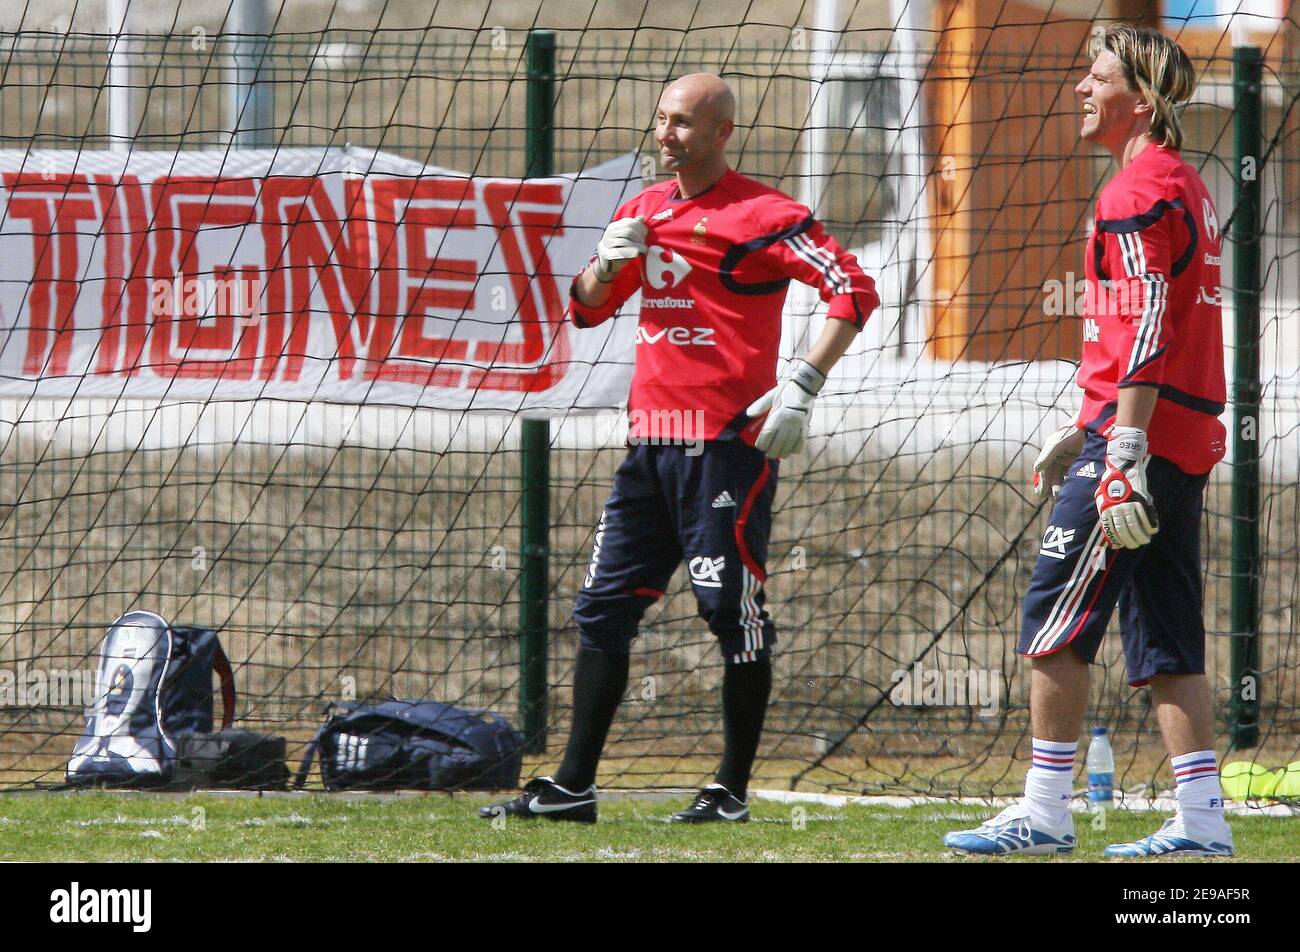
{"x":664,"y":268}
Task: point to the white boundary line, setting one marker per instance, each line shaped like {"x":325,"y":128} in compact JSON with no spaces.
{"x":1165,"y":804}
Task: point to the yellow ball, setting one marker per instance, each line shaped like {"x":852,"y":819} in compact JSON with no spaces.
{"x":1243,"y":779}
{"x":1288,"y":783}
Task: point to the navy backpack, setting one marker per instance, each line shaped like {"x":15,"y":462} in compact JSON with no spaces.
{"x":154,"y":688}
{"x":419,"y":745}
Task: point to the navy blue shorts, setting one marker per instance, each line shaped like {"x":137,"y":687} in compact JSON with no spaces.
{"x":1078,"y":580}
{"x":712,"y":509}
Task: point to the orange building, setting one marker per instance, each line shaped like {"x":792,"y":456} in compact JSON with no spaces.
{"x":1011,"y":187}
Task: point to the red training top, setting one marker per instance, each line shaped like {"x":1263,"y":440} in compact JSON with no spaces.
{"x":1153,"y":308}
{"x":712,"y":285}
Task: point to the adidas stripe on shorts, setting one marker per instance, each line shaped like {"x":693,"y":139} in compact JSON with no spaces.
{"x":1078,"y":580}
{"x":711,"y":509}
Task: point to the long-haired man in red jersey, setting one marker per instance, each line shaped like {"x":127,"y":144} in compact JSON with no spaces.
{"x":1129,"y":474}
{"x":712,"y":253}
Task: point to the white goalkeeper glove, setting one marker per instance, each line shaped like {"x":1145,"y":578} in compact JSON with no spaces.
{"x":788,"y":406}
{"x":1128,"y":515}
{"x":1061,"y":449}
{"x":623,"y":240}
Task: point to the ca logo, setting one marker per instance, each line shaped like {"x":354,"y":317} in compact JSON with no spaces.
{"x":1055,"y":539}
{"x":707,"y":571}
{"x":1211,"y":219}
{"x":664,"y":268}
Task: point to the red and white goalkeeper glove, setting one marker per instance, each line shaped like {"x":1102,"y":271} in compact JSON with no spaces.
{"x":1128,"y":515}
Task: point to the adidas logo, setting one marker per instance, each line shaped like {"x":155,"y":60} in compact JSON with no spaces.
{"x":660,"y":216}
{"x":722,"y":500}
{"x":1089,"y":471}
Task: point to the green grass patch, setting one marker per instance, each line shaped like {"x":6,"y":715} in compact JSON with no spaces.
{"x":110,"y":827}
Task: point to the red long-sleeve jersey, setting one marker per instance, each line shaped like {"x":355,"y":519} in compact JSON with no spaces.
{"x":1153,"y":308}
{"x":713,"y":283}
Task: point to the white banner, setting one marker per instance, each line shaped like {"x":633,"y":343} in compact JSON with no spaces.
{"x":341,"y":275}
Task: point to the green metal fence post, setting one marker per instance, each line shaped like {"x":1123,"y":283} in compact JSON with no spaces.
{"x":1244,"y":710}
{"x":534,"y":583}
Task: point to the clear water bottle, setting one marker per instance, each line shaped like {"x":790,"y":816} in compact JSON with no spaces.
{"x":1101,"y":768}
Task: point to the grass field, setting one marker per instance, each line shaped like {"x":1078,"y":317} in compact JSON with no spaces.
{"x":107,"y":827}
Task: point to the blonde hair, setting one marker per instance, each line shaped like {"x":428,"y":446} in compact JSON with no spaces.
{"x":1155,"y":66}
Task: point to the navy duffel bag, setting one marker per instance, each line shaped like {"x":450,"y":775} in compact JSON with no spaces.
{"x":418,"y":745}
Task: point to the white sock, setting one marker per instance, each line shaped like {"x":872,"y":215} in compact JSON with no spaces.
{"x":1200,"y":797}
{"x":1050,"y":782}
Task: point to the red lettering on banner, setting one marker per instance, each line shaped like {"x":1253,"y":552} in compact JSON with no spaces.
{"x":112,"y":303}
{"x":322,"y":250}
{"x":183,"y":206}
{"x":214,"y":318}
{"x":405,"y":293}
{"x":125,"y":301}
{"x":501,"y":198}
{"x":54,"y":205}
{"x":390,"y":269}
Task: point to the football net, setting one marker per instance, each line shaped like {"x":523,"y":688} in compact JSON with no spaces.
{"x":367,"y":548}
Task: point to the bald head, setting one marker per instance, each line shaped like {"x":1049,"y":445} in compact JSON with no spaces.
{"x":696,"y":117}
{"x":705,"y":94}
